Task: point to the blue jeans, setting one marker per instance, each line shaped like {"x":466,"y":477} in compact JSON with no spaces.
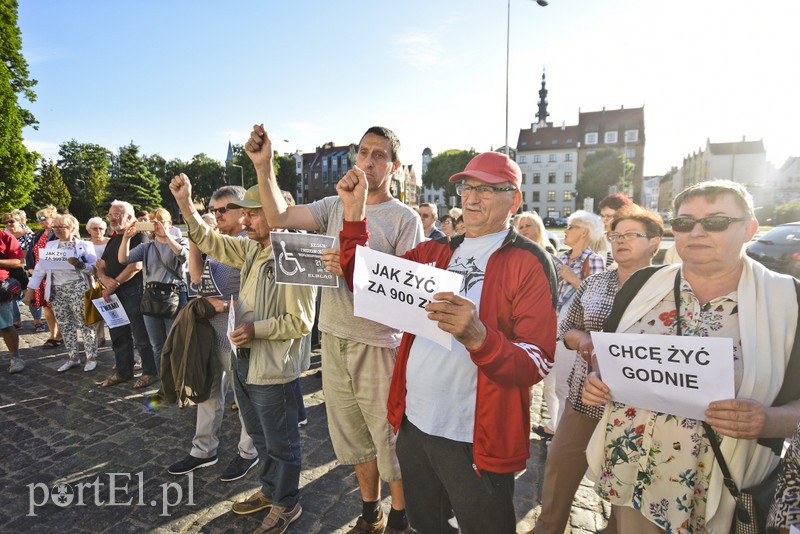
{"x":36,"y":312}
{"x":269,"y":413}
{"x":302,"y":415}
{"x":158,"y":329}
{"x":123,"y":338}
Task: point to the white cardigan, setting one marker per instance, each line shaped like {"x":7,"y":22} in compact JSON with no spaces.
{"x":83,"y":250}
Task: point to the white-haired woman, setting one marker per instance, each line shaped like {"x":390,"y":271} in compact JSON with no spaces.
{"x":530,"y":225}
{"x":64,"y":288}
{"x":97,"y":233}
{"x":584,"y":230}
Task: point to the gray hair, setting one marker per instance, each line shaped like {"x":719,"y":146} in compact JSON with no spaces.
{"x":711,"y":190}
{"x":125,"y":205}
{"x":20,"y":215}
{"x":591,"y":222}
{"x":96,"y":220}
{"x":235,"y":192}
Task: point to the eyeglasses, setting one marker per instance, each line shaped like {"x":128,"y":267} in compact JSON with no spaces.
{"x":484,"y":191}
{"x":629,"y":236}
{"x":222,"y":211}
{"x":713,"y":223}
{"x":59,"y":227}
{"x":425,"y":215}
{"x":606,"y":217}
{"x":93,"y":228}
{"x":574,"y":227}
{"x":12,"y":222}
{"x":42,"y":218}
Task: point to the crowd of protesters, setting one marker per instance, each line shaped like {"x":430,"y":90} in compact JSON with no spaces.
{"x":446,"y":429}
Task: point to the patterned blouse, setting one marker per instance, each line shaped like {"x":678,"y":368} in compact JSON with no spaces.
{"x":589,"y":310}
{"x":596,"y":264}
{"x":785,"y":511}
{"x":657,"y":463}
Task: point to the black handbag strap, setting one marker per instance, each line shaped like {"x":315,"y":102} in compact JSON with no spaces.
{"x":158,"y":255}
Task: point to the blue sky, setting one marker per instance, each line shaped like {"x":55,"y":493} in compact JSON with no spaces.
{"x":182,"y":77}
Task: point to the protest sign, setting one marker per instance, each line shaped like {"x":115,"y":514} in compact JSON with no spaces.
{"x":298,"y":259}
{"x":112,"y":311}
{"x":394,"y":291}
{"x":231,"y":323}
{"x":207,"y":287}
{"x":678,"y":375}
{"x":55,"y":259}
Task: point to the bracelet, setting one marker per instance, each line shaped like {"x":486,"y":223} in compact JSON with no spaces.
{"x":225,"y":307}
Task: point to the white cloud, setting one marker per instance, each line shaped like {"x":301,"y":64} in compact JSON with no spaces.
{"x":420,"y":50}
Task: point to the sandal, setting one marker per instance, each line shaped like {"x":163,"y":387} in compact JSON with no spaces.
{"x":112,"y":380}
{"x":144,"y":381}
{"x":52,"y":343}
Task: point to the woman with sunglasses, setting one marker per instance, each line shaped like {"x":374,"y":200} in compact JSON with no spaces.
{"x":15,"y":225}
{"x":64,"y":288}
{"x":635,"y":237}
{"x":657,"y":469}
{"x":45,"y":218}
{"x":584,"y":233}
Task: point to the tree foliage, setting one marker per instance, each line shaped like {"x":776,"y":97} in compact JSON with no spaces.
{"x":84,"y":168}
{"x":132,"y":181}
{"x":16,"y":162}
{"x":788,"y":212}
{"x":286,"y":173}
{"x":443,"y":166}
{"x":248,"y":171}
{"x":50,"y":187}
{"x":601,"y":170}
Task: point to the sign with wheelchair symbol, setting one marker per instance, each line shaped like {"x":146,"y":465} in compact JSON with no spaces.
{"x":298,"y":259}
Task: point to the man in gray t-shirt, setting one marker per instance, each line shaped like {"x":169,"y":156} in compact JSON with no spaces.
{"x":357,"y":354}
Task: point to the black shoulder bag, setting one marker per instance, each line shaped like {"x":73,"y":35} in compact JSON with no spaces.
{"x":160,"y":299}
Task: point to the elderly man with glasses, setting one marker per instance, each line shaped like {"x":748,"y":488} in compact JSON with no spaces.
{"x":462,"y":455}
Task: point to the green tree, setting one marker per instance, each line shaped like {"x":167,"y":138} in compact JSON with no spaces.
{"x":443,"y":166}
{"x":788,"y":212}
{"x":602,"y":170}
{"x":132,"y":181}
{"x":16,"y":161}
{"x":50,"y":187}
{"x":246,"y":174}
{"x":286,"y":173}
{"x":207,"y":176}
{"x":84,"y":168}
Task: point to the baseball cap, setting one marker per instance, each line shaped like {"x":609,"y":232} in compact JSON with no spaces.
{"x":492,"y":168}
{"x":250,"y":200}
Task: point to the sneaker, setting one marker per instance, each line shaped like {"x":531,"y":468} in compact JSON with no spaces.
{"x":189,"y":464}
{"x":16,"y":365}
{"x":362,"y":527}
{"x":39,"y":328}
{"x":254,"y":503}
{"x":279,"y":518}
{"x":302,"y":423}
{"x":90,"y":366}
{"x":69,"y":364}
{"x":238,"y":468}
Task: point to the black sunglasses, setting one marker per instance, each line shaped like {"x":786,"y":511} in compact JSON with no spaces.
{"x":713,"y":223}
{"x":222,"y":211}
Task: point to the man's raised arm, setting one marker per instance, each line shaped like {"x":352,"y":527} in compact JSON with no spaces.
{"x":279,"y":214}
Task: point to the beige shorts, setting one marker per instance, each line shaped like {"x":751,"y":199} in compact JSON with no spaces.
{"x":356,"y":379}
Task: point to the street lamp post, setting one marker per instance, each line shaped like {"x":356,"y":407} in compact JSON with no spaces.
{"x":542,"y":3}
{"x":241,"y":170}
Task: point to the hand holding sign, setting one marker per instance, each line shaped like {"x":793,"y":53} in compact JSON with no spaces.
{"x":737,"y":418}
{"x":595,"y":391}
{"x":330,"y":257}
{"x":352,"y":189}
{"x":458,"y":316}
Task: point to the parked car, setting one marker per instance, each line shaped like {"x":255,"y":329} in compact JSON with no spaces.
{"x":779,"y":249}
{"x":549,"y":221}
{"x":562,"y":222}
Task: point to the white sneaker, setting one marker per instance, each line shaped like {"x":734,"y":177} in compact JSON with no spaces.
{"x":90,"y":365}
{"x":16,"y":365}
{"x":69,"y":364}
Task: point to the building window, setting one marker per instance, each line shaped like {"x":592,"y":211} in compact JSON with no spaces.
{"x":537,"y":158}
{"x":591,"y":138}
{"x":324,"y":176}
{"x":551,"y":178}
{"x":569,"y":140}
{"x":630,"y":153}
{"x":324,"y":163}
{"x":523,"y":196}
{"x":631,"y":136}
{"x":554,"y":142}
{"x":568,"y":156}
{"x":523,"y":159}
{"x":523,"y":177}
{"x":535,"y":196}
{"x":536,"y":178}
{"x":551,"y":196}
{"x":566,"y":212}
{"x":611,"y":137}
{"x":537,"y":143}
{"x":553,"y":158}
{"x":567,"y":177}
{"x":567,"y":196}
{"x":524,"y":207}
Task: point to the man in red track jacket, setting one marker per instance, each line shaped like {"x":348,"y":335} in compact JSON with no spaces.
{"x":462,"y":415}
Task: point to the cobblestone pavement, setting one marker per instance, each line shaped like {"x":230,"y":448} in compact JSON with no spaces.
{"x":61,"y":428}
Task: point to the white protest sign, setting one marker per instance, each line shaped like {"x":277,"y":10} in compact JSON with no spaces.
{"x":112,"y":311}
{"x":678,"y":375}
{"x":55,"y":259}
{"x":298,"y":259}
{"x":231,"y":323}
{"x":394,"y":292}
{"x":794,"y":529}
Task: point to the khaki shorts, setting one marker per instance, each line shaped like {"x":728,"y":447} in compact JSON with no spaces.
{"x":356,"y":379}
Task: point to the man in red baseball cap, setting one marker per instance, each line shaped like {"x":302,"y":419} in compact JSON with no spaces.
{"x":462,"y":415}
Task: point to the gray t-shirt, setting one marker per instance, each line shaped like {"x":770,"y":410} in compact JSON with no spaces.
{"x":394,"y":229}
{"x":154,"y":270}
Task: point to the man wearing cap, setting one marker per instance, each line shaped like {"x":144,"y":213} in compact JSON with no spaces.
{"x":358,"y":355}
{"x":462,"y":455}
{"x":270,"y":319}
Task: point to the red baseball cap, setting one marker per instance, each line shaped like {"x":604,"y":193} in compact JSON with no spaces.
{"x":492,"y":168}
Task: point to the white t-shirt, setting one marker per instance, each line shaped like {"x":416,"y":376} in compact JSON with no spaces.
{"x":441,"y":385}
